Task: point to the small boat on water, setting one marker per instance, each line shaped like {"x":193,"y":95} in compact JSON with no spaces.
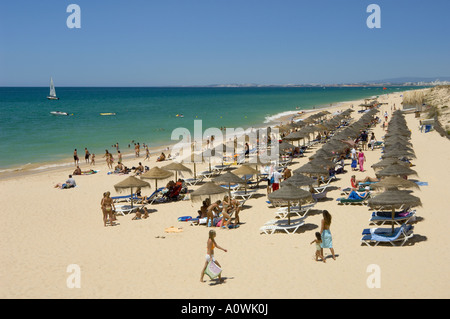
{"x":52,"y":95}
{"x":59,"y":113}
{"x":104,"y":114}
{"x":180,"y":115}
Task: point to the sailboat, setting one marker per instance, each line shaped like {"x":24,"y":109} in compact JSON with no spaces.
{"x":52,"y":95}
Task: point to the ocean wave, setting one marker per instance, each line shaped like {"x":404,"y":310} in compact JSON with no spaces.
{"x":273,"y":118}
{"x":43,"y":167}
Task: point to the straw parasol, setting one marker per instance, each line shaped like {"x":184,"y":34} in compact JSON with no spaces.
{"x":298,"y":180}
{"x":131,"y":182}
{"x":245,"y":170}
{"x":394,"y":198}
{"x":228,"y":178}
{"x":395,"y":181}
{"x":388,"y":161}
{"x":396,"y":170}
{"x":156,"y":173}
{"x":285,"y":146}
{"x":290,"y":193}
{"x":208,"y":190}
{"x":177,"y":167}
{"x":311,"y":169}
{"x":398,"y":153}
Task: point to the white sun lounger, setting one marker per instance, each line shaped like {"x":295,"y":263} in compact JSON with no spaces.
{"x":282,"y":213}
{"x":126,"y":209}
{"x":276,"y":225}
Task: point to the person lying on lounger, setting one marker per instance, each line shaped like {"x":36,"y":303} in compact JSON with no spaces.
{"x":355,"y":183}
{"x":359,"y":195}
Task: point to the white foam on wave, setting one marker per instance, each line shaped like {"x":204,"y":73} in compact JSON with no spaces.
{"x":273,"y":118}
{"x":51,"y":166}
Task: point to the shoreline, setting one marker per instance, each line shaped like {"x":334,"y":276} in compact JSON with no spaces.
{"x":65,"y":227}
{"x":67,"y":163}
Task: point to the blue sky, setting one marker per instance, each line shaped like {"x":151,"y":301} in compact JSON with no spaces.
{"x":201,"y":42}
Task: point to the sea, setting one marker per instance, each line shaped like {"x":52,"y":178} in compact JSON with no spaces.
{"x":30,"y":136}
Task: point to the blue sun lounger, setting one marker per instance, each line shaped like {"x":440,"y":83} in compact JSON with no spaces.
{"x":150,"y":199}
{"x":385,"y":235}
{"x":386,"y":217}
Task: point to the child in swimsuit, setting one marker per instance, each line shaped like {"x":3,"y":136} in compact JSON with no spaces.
{"x":318,"y":241}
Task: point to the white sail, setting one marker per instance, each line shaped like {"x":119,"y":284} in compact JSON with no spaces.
{"x":52,"y":88}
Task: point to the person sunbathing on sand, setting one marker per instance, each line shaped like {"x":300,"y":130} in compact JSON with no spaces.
{"x":68,"y":184}
{"x":77,"y":171}
{"x":161,"y":157}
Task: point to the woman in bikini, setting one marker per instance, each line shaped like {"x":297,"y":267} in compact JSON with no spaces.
{"x":108,"y":208}
{"x":227,"y":208}
{"x":210,"y":245}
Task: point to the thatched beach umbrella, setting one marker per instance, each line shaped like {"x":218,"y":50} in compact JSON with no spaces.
{"x":208,"y":190}
{"x":397,"y":153}
{"x":298,"y":180}
{"x":283,"y":146}
{"x":228,"y":178}
{"x":130,"y":183}
{"x":394,"y":181}
{"x":290,"y":193}
{"x":157,"y":173}
{"x":177,"y":167}
{"x":245,"y":170}
{"x":393,"y":199}
{"x":311,"y":169}
{"x":388,"y":161}
{"x":396,"y":170}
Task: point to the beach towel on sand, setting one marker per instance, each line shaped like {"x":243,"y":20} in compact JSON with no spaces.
{"x":172,"y":229}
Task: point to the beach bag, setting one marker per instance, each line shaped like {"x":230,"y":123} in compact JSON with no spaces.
{"x":212,"y":270}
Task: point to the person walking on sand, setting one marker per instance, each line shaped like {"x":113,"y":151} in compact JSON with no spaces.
{"x":327,"y":241}
{"x":75,"y":157}
{"x":318,"y":242}
{"x":93,"y":159}
{"x":107,"y":206}
{"x":210,"y":245}
{"x":147,"y":154}
{"x":361,"y":160}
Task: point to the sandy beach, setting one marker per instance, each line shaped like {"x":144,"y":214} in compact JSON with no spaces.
{"x":44,"y":230}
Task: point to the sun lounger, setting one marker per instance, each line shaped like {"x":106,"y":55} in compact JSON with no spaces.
{"x":150,"y":199}
{"x":242,"y":194}
{"x":277,"y":225}
{"x":193,"y":181}
{"x":386,"y":217}
{"x":319,"y":195}
{"x":126,"y":209}
{"x":348,"y":190}
{"x":385,"y":235}
{"x":124,"y":198}
{"x":282,"y":212}
{"x":232,"y":187}
{"x":349,"y":201}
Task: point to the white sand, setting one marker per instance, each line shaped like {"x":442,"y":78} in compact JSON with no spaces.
{"x":44,"y":230}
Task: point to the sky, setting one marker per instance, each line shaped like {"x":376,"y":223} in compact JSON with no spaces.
{"x":203,"y":42}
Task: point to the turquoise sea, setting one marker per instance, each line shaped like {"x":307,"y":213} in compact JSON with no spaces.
{"x":30,"y":134}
